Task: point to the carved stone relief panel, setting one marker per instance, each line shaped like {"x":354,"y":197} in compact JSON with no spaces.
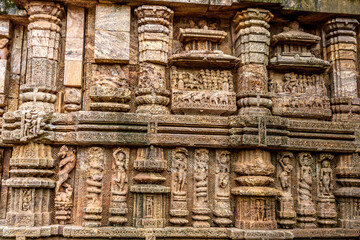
{"x":204,"y":91}
{"x":110,"y":88}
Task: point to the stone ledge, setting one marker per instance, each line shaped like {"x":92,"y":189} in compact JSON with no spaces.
{"x":176,"y":232}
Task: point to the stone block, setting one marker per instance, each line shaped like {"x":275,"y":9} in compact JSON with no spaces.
{"x":112,"y":18}
{"x":75,"y":22}
{"x":111,"y":46}
{"x":73,"y":73}
{"x":72,"y":96}
{"x":74,"y":49}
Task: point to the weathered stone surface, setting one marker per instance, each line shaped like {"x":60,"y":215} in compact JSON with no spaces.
{"x":112,"y":33}
{"x":179,"y":120}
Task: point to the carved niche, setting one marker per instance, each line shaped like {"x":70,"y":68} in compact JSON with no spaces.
{"x":297,"y":77}
{"x":201,"y":76}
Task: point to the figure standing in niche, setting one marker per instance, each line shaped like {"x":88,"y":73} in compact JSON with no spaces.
{"x":180,"y":166}
{"x":325,"y":178}
{"x":121,"y":162}
{"x":149,"y":207}
{"x":305,"y":180}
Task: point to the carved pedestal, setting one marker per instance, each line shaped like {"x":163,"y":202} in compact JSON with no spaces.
{"x":149,"y":195}
{"x":252,"y":48}
{"x":341,"y":49}
{"x":154,"y":30}
{"x":348,"y":195}
{"x":31,"y":186}
{"x":255,"y":201}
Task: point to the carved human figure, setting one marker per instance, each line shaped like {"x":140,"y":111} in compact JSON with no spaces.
{"x":180,"y":158}
{"x":305,"y":177}
{"x":66,"y":165}
{"x":4,"y":51}
{"x":325,"y":178}
{"x":223,"y":169}
{"x":284,"y":176}
{"x":149,"y":207}
{"x":121,"y":164}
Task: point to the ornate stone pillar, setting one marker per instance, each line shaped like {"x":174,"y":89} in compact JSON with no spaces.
{"x":255,"y":200}
{"x":149,"y":194}
{"x":348,"y":195}
{"x":154,"y":36}
{"x":39,"y":90}
{"x":341,"y":48}
{"x":31,"y":162}
{"x":252,"y":41}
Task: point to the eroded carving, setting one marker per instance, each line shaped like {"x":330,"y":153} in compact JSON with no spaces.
{"x":95,"y":174}
{"x":222,"y":209}
{"x":326,"y":201}
{"x":110,"y":90}
{"x":201,"y":208}
{"x":306,"y":209}
{"x":64,"y":189}
{"x":204,"y":92}
{"x":286,"y":212}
